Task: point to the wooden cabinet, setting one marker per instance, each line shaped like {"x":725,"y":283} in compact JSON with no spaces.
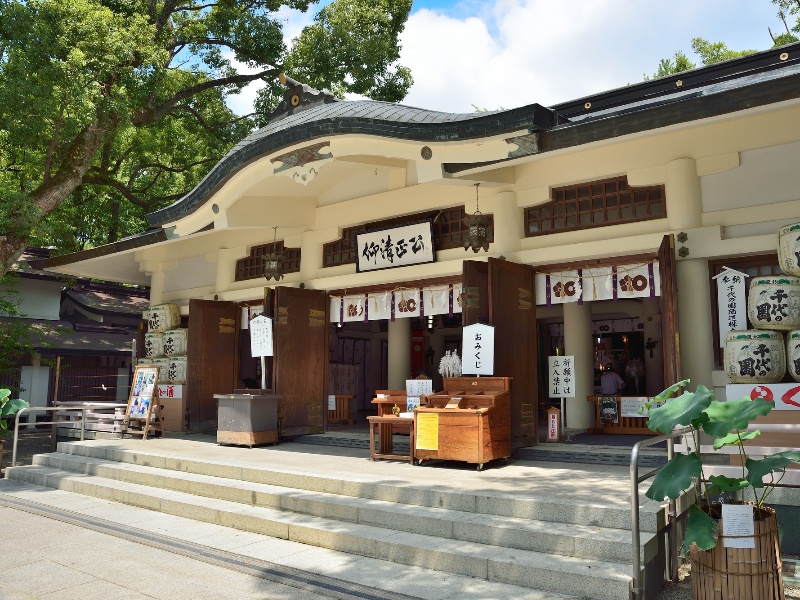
{"x":470,"y":421}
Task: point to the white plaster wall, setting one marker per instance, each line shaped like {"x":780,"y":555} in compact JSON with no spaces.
{"x":190,"y":272}
{"x":764,"y":176}
{"x":39,"y":299}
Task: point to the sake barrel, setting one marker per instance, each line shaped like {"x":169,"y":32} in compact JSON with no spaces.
{"x":774,"y":302}
{"x":163,"y":364}
{"x":789,"y":249}
{"x":793,"y":354}
{"x":175,"y":342}
{"x":755,"y":356}
{"x":154,"y":344}
{"x":176,"y":370}
{"x":162,"y":317}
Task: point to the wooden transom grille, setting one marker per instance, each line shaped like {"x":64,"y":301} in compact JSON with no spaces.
{"x":595,"y":204}
{"x":252,"y":267}
{"x":448,"y":232}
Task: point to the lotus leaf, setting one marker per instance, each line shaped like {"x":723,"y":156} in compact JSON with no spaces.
{"x":735,"y":414}
{"x":701,"y":530}
{"x":721,"y":483}
{"x":675,"y":477}
{"x":758,"y":469}
{"x":686,"y":409}
{"x":733,"y":438}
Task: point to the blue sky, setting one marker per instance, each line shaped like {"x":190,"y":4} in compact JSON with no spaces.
{"x":508,"y":53}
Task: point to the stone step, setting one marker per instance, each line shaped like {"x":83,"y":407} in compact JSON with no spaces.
{"x":557,"y":538}
{"x":550,"y":507}
{"x":564,"y":574}
{"x":217,"y":545}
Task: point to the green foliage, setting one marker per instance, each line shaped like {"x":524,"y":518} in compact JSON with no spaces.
{"x":714,"y":52}
{"x":727,"y":423}
{"x":670,"y":66}
{"x":352,"y":48}
{"x":121,"y":105}
{"x":8,"y":408}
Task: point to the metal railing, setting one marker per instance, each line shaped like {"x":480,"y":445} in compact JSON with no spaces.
{"x":672,"y":517}
{"x":31,"y":409}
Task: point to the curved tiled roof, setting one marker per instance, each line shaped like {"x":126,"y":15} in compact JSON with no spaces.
{"x":367,"y":117}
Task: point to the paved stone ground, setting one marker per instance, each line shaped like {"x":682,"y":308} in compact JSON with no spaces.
{"x":35,"y":441}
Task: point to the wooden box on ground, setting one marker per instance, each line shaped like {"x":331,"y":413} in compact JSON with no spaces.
{"x":340,"y":413}
{"x":173,"y":406}
{"x":247,"y":420}
{"x":470,"y":421}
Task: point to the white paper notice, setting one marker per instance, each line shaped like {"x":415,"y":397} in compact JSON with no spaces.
{"x":737,"y":525}
{"x":332,"y":402}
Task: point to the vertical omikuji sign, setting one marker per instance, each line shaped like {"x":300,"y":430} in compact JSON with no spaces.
{"x":396,"y":247}
{"x":732,"y":302}
{"x":477,"y":352}
{"x":561,"y":375}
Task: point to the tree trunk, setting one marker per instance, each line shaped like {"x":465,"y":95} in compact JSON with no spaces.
{"x":50,"y":194}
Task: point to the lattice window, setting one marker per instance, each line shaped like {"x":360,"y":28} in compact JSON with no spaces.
{"x":595,"y":204}
{"x":448,"y":232}
{"x":449,"y":228}
{"x":252,"y":267}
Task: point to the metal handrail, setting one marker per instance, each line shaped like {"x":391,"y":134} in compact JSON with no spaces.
{"x":636,"y":479}
{"x":30,"y":409}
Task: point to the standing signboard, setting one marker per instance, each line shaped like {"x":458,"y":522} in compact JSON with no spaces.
{"x":143,"y":405}
{"x":561,"y":381}
{"x":261,"y":342}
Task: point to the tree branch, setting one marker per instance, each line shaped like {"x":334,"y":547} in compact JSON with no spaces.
{"x":151,"y":115}
{"x":202,"y":121}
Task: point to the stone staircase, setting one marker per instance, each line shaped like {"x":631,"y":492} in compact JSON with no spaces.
{"x":546,"y":542}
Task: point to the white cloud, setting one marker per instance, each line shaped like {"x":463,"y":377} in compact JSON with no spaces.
{"x":508,"y":53}
{"x":524,"y":51}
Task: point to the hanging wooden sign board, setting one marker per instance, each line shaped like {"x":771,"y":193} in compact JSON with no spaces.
{"x":143,"y":414}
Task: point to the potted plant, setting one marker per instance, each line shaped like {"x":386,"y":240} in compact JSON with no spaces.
{"x":8,"y":408}
{"x":726,"y":423}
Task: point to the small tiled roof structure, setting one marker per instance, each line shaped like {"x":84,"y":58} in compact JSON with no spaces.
{"x":104,"y":299}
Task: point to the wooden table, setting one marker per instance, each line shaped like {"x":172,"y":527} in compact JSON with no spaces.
{"x":384,"y":427}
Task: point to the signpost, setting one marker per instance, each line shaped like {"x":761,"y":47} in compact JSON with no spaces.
{"x":561,"y":377}
{"x":261,"y":343}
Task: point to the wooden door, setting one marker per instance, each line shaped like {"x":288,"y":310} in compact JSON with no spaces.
{"x":502,"y":294}
{"x":300,"y":364}
{"x":212,"y":356}
{"x":669,"y":311}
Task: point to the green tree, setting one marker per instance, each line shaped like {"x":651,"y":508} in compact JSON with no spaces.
{"x":715,"y":52}
{"x":120,"y":105}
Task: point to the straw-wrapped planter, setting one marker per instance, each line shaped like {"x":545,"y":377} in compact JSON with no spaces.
{"x":753,"y":573}
{"x":721,"y":572}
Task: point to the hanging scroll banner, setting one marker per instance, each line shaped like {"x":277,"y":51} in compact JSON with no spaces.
{"x":477,"y":353}
{"x":732,"y":302}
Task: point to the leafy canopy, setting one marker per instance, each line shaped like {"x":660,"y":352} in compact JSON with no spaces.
{"x":120,"y":106}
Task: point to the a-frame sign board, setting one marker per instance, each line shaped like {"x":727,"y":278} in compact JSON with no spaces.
{"x":143,"y":414}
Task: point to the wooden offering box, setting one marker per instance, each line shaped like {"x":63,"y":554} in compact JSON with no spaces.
{"x":470,"y":421}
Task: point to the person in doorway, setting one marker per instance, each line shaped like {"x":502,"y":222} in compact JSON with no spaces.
{"x":610,"y":382}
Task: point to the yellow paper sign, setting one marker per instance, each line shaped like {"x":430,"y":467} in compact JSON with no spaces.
{"x":427,"y":431}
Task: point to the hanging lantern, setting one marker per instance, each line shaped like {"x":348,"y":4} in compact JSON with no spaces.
{"x":477,"y":228}
{"x":273,"y":262}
